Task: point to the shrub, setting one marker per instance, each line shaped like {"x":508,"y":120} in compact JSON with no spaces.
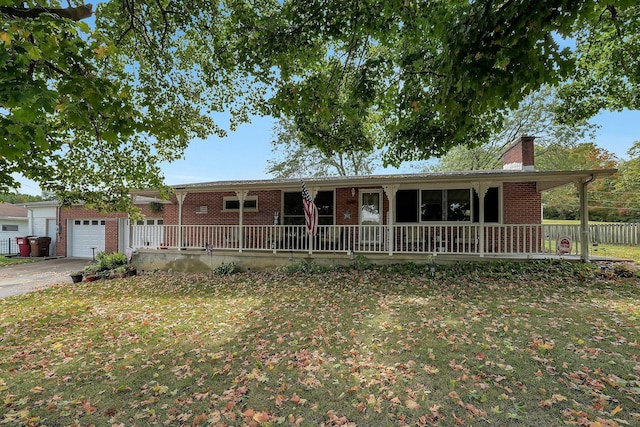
{"x":91,"y":269}
{"x":360,"y":262}
{"x":225,"y":269}
{"x":109,"y":261}
{"x":304,"y":266}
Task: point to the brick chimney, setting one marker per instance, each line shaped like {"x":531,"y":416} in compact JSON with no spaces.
{"x":519,"y":154}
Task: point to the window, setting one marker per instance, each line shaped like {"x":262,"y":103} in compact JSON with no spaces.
{"x":150,"y":221}
{"x":491,"y":205}
{"x":458,"y":204}
{"x":89,"y":222}
{"x":431,"y":207}
{"x":293,"y":210}
{"x":406,"y":206}
{"x":413,"y":206}
{"x":446,"y":205}
{"x":9,"y":227}
{"x":233,"y":204}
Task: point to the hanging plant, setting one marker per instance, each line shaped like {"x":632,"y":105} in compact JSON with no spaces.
{"x":156,"y":207}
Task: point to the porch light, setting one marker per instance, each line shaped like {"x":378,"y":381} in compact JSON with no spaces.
{"x":353,"y":192}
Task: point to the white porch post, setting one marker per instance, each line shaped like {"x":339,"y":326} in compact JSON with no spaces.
{"x":180,"y":197}
{"x":130,"y":240}
{"x":481,"y":188}
{"x":390,"y":191}
{"x":242,"y":194}
{"x":313,"y":192}
{"x":584,"y":219}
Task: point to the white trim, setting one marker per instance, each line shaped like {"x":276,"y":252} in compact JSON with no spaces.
{"x":375,"y":229}
{"x":380,"y":201}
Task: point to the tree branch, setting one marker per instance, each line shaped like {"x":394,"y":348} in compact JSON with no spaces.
{"x":73,"y":13}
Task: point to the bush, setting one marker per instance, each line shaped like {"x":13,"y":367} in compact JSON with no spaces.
{"x":110,"y":261}
{"x":225,"y":269}
{"x":360,"y":262}
{"x":304,"y":266}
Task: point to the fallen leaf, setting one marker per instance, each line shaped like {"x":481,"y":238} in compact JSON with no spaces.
{"x":412,"y":404}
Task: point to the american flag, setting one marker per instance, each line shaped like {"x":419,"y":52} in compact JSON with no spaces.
{"x":310,"y":211}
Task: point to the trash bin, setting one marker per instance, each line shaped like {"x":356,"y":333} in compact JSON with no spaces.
{"x":39,"y":246}
{"x":24,"y":245}
{"x":35,"y":246}
{"x":44,"y":245}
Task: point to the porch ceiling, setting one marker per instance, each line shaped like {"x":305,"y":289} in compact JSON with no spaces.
{"x":545,"y":180}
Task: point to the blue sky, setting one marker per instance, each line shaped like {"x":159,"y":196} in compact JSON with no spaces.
{"x":243,"y":154}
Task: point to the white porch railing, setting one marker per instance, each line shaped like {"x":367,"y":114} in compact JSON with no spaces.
{"x":521,"y":239}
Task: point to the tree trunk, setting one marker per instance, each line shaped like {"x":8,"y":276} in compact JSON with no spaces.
{"x":73,"y":13}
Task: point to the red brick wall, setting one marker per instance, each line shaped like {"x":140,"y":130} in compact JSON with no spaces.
{"x":79,"y":212}
{"x":520,"y":151}
{"x":521,"y":203}
{"x":346,"y":202}
{"x":269,"y":201}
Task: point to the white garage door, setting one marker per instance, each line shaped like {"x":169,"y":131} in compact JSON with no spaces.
{"x":85,"y":235}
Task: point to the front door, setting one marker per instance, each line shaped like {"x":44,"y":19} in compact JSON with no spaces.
{"x":371,"y":217}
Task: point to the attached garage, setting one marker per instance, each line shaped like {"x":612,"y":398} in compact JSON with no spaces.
{"x":87,"y":237}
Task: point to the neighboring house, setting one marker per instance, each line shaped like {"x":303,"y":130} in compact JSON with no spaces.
{"x":394,"y":217}
{"x":13,"y":223}
{"x":42,"y":222}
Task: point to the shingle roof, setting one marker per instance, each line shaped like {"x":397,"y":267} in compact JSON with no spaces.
{"x":8,"y":210}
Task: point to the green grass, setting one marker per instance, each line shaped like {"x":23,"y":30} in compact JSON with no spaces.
{"x":15,"y":260}
{"x":540,"y":343}
{"x":615,"y":251}
{"x":569,"y":222}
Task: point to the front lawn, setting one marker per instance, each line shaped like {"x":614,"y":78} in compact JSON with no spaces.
{"x":539,"y":344}
{"x":15,"y":260}
{"x":617,"y":251}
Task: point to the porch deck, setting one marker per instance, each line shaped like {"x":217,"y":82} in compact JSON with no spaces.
{"x":474,"y":240}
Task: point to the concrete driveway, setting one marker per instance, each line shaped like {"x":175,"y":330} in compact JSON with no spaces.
{"x":22,"y":278}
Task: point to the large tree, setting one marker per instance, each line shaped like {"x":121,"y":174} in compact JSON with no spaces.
{"x":607,"y":56}
{"x":534,"y":116}
{"x":439,"y":73}
{"x":89,"y":113}
{"x":86,"y":114}
{"x":628,"y":186}
{"x":293,"y":159}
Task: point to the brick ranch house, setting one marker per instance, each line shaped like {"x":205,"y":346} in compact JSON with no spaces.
{"x":387,"y":218}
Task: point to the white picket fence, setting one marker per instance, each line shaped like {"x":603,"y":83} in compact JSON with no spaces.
{"x":616,"y":234}
{"x":623,"y":234}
